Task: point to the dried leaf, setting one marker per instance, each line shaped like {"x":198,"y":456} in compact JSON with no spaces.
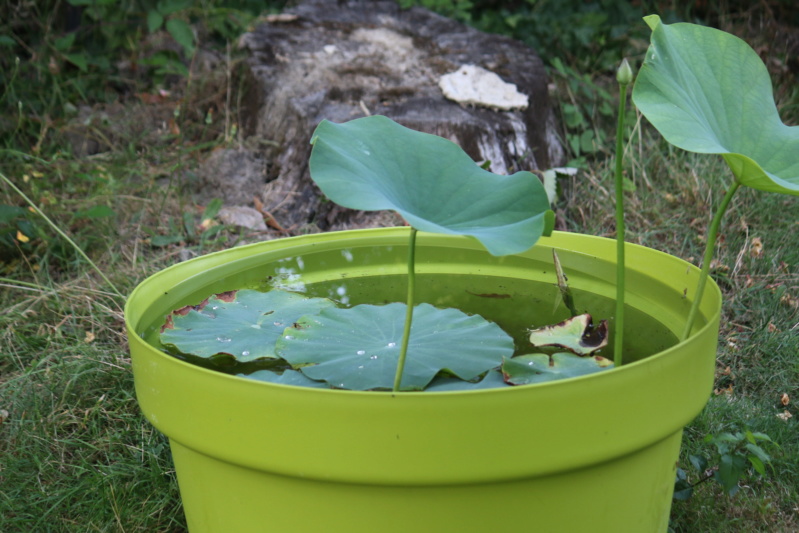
{"x":89,"y":337}
{"x":784,"y":399}
{"x":756,"y":247}
{"x":725,"y":390}
{"x":785,"y":415}
{"x":789,"y":300}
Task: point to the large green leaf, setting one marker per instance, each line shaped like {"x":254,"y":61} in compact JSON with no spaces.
{"x":373,"y":163}
{"x":243,"y":324}
{"x":707,"y":91}
{"x":358,"y":348}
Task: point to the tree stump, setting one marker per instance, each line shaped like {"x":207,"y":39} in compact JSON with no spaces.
{"x":344,"y":59}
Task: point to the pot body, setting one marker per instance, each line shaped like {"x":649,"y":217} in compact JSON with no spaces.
{"x":591,"y":454}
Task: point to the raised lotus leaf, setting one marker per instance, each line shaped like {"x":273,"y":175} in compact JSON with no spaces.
{"x":358,"y":348}
{"x":539,"y":368}
{"x":243,"y":324}
{"x":707,"y":91}
{"x":373,"y":163}
{"x":577,"y":335}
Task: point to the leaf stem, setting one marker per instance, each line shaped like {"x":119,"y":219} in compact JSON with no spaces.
{"x":710,"y":248}
{"x":406,"y":334}
{"x":62,"y":234}
{"x":618,"y":343}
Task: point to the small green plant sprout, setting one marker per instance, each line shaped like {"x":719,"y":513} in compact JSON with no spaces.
{"x":707,"y":91}
{"x":373,"y":163}
{"x":731,"y":457}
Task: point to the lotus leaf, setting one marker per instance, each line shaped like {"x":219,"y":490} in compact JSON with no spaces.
{"x":358,"y":348}
{"x":287,"y":377}
{"x":707,"y":91}
{"x":492,"y":380}
{"x":538,"y":368}
{"x":576,"y":335}
{"x":373,"y":163}
{"x":243,"y":324}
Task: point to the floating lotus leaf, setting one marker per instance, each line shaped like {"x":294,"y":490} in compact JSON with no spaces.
{"x":243,"y":324}
{"x":287,"y":377}
{"x":707,"y":91}
{"x":492,"y":380}
{"x":539,"y":368}
{"x":576,"y":335}
{"x":373,"y":163}
{"x":358,"y":348}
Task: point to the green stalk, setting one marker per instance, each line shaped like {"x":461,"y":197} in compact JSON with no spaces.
{"x":62,"y":234}
{"x":406,"y":334}
{"x":710,"y":248}
{"x":624,"y":77}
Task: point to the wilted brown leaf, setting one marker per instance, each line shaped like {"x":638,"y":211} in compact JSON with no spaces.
{"x":784,"y":399}
{"x":723,"y":390}
{"x":789,"y":300}
{"x":756,"y":247}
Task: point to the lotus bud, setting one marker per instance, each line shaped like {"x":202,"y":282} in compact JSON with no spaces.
{"x":625,"y":73}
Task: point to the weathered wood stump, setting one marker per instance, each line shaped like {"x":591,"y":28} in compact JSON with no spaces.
{"x":344,"y":59}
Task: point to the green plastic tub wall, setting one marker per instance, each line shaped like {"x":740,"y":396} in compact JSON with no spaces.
{"x":590,"y":454}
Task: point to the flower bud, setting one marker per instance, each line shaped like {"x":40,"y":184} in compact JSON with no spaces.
{"x":625,"y":74}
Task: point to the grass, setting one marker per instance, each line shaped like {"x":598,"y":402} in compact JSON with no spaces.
{"x":75,"y":453}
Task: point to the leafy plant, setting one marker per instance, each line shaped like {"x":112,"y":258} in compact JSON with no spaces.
{"x":732,"y":456}
{"x":57,"y":56}
{"x":707,"y":91}
{"x":686,"y":91}
{"x":374,"y":163}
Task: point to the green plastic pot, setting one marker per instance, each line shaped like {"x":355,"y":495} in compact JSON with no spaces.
{"x":590,"y":454}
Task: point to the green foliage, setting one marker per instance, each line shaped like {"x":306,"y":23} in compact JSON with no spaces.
{"x":584,"y":108}
{"x":241,"y":324}
{"x":540,"y":368}
{"x":731,"y":457}
{"x":588,"y":35}
{"x":373,"y":163}
{"x":283,"y":337}
{"x":358,"y":348}
{"x":691,"y":88}
{"x":58,"y":56}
